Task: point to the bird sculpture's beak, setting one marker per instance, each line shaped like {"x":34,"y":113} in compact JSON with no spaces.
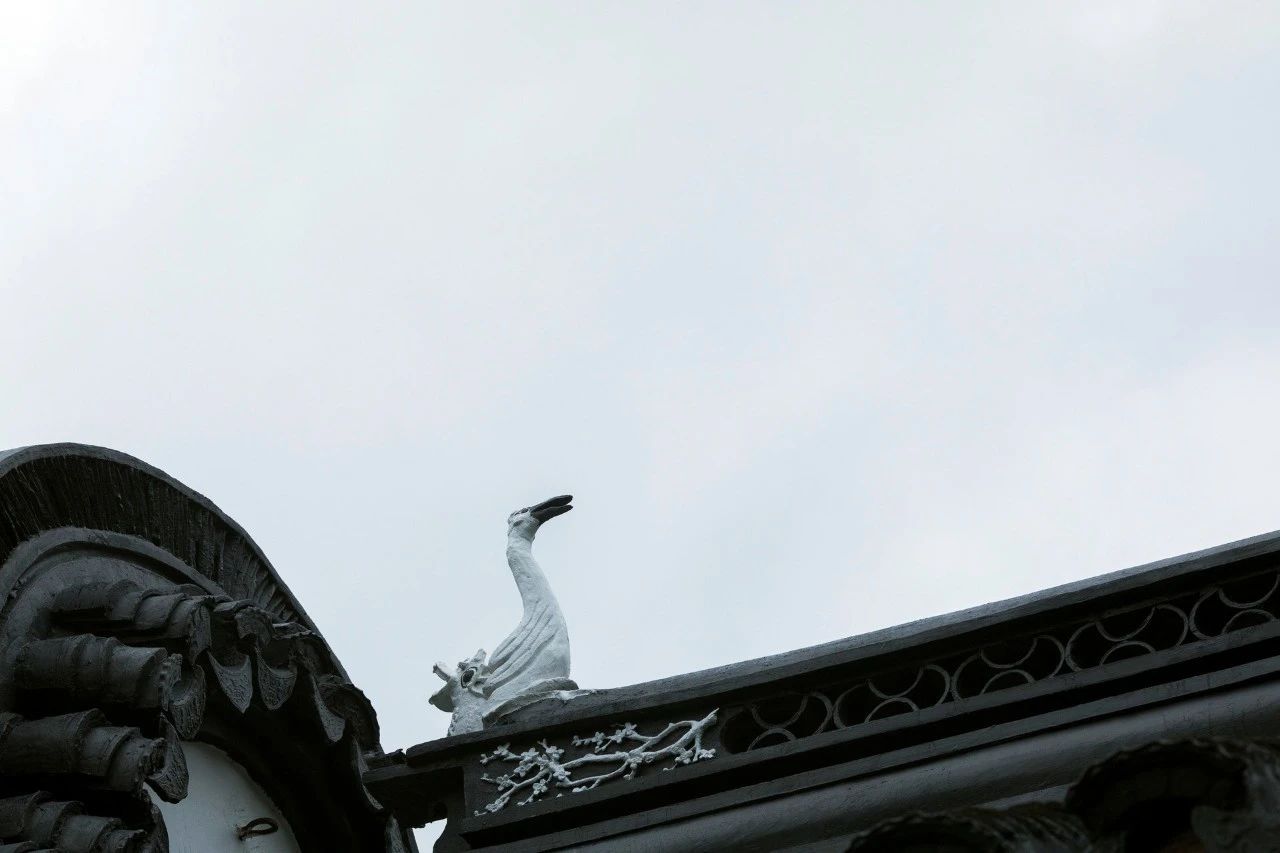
{"x":551,"y":507}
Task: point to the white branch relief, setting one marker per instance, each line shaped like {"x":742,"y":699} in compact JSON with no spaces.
{"x":539,"y":770}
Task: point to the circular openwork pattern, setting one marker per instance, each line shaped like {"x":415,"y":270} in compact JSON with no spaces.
{"x":785,"y":718}
{"x":1113,"y":638}
{"x":1233,"y":606}
{"x":1009,"y":664}
{"x":892,"y":694}
{"x":1126,"y":635}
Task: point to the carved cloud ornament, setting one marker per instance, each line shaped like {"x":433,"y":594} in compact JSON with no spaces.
{"x":532,"y":663}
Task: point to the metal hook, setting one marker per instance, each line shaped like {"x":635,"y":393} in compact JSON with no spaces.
{"x":257,"y":826}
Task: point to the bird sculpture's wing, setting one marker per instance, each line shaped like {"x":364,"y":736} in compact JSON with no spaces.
{"x":536,"y":630}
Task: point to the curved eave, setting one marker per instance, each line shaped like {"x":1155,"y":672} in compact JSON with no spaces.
{"x":137,"y":615}
{"x":25,"y":493}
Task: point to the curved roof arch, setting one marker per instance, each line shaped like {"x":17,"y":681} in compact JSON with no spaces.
{"x":135,"y":615}
{"x":47,"y":486}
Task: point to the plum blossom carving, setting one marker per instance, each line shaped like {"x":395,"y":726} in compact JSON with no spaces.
{"x":539,"y":768}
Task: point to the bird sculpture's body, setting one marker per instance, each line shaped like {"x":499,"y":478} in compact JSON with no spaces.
{"x":532,"y":663}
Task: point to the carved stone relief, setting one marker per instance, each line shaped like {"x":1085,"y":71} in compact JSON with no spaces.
{"x":543,"y":768}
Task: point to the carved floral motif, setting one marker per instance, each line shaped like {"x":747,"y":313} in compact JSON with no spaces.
{"x":540,"y":768}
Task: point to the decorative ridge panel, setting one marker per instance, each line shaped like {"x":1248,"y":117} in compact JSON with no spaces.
{"x":883,"y":651}
{"x":950,"y":678}
{"x":1179,"y":620}
{"x":594,"y":760}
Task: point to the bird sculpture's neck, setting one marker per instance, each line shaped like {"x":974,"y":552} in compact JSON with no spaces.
{"x":530,"y":579}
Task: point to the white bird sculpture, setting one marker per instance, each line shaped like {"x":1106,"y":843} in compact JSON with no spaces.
{"x":532,"y":663}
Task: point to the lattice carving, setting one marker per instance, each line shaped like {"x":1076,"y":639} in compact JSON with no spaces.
{"x":1075,"y":647}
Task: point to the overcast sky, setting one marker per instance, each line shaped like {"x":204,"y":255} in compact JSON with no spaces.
{"x":832,"y":316}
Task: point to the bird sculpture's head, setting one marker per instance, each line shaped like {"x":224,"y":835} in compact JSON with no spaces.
{"x":465,"y":692}
{"x":525,"y":522}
